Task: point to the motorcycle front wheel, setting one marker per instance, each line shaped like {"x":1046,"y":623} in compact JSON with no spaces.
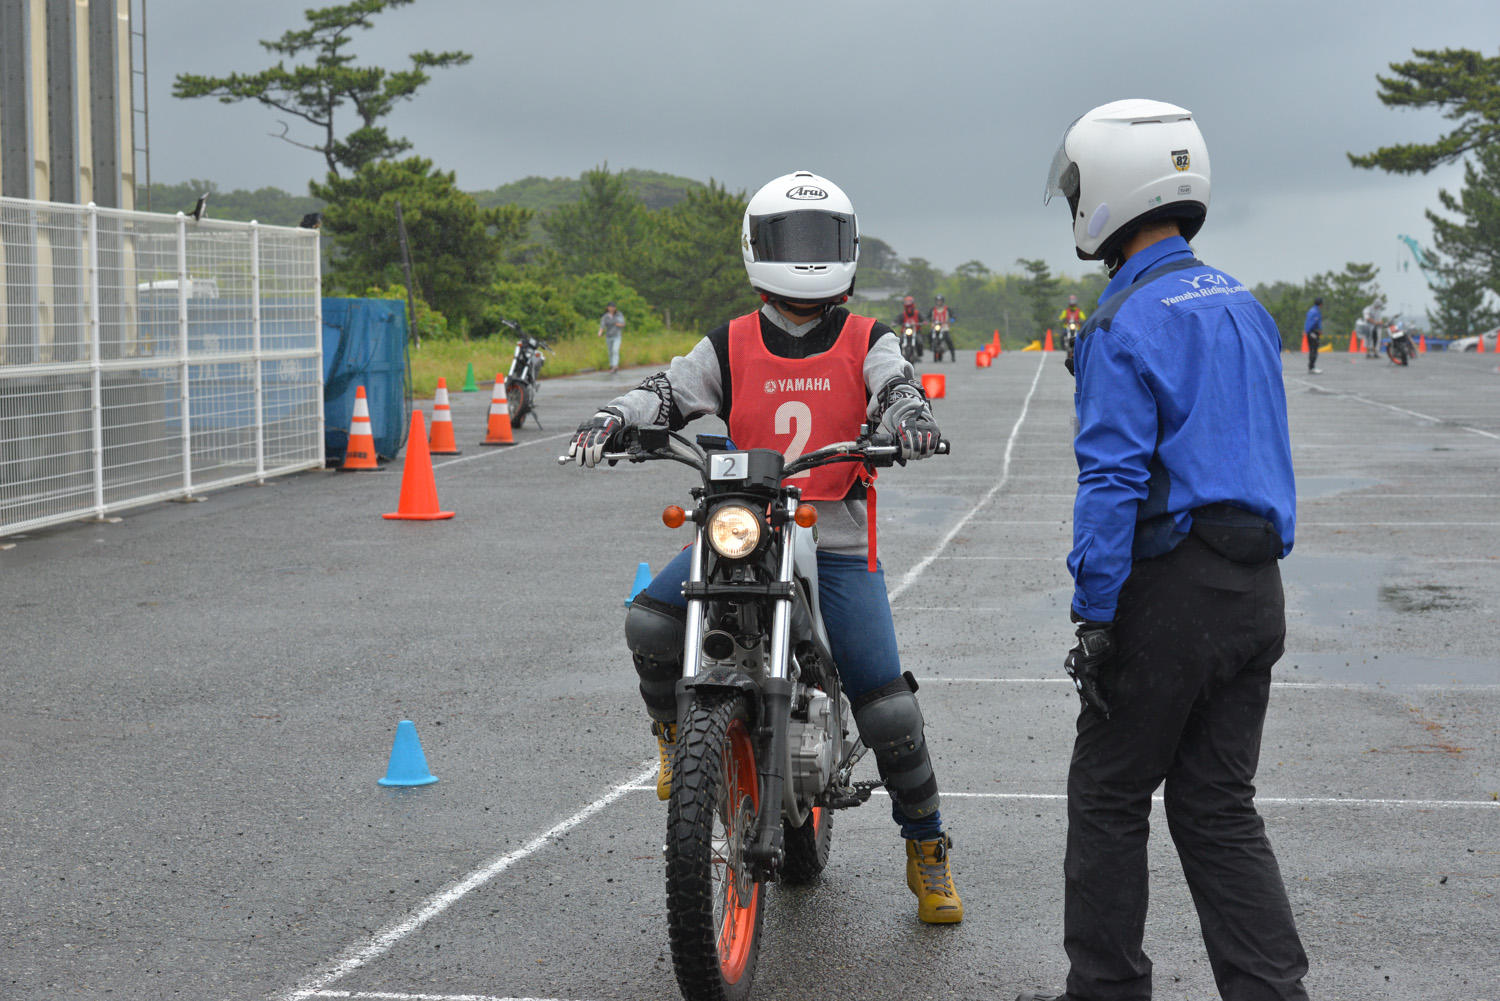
{"x":715,"y":907}
{"x":518,"y":398}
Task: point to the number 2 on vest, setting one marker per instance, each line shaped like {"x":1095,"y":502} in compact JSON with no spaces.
{"x":795,"y":418}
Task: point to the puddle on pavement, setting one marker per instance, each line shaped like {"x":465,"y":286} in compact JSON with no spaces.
{"x":1316,"y":487}
{"x":1423,"y":598}
{"x":1388,"y":669}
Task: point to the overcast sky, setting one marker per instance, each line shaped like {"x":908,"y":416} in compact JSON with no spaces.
{"x":939,"y":118}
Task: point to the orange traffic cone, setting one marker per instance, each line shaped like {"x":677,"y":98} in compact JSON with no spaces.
{"x":499,"y":429}
{"x":995,"y":339}
{"x":441,"y":442}
{"x":1422,"y":344}
{"x":1304,"y":342}
{"x":1354,"y":344}
{"x":1480,"y":346}
{"x":996,"y":342}
{"x":419,"y":500}
{"x":982,"y":359}
{"x":1047,"y":344}
{"x":360,"y":455}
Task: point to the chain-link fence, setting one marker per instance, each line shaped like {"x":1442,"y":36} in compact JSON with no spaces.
{"x":148,"y":357}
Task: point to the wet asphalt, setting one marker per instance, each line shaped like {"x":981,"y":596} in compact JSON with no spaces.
{"x":197,"y":702}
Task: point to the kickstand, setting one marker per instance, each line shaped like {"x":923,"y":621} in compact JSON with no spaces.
{"x":538,"y":421}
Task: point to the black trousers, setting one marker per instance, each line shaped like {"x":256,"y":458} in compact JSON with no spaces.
{"x":1196,"y":636}
{"x":1312,"y":349}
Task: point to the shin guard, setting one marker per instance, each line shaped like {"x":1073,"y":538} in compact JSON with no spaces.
{"x":890,"y":723}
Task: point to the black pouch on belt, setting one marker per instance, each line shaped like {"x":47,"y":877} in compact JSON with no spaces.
{"x":1236,"y":534}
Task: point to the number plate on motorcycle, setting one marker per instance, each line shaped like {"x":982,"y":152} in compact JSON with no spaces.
{"x":729,"y":466}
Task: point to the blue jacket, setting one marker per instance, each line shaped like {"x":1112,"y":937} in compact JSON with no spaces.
{"x":1314,"y":321}
{"x":1180,"y":403}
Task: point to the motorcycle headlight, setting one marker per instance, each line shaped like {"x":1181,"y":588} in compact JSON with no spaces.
{"x":734,"y":531}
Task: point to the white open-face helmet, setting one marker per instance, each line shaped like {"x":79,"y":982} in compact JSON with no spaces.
{"x":1130,"y":162}
{"x":800,"y":240}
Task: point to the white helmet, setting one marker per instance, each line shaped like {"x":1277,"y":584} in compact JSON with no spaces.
{"x":800,"y":240}
{"x":1129,"y":162}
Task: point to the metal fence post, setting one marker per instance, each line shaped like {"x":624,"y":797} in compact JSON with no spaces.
{"x":182,"y":357}
{"x":260,"y":388}
{"x":96,"y":358}
{"x":317,"y":256}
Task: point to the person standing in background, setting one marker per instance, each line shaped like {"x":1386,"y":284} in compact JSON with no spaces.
{"x":1313,"y":328}
{"x":611,"y":328}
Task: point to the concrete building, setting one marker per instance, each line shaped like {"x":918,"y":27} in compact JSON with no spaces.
{"x":67,"y":113}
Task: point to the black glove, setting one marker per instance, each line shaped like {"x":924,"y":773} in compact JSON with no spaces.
{"x":918,"y":437}
{"x":905,"y":416}
{"x":1086,"y":662}
{"x":592,"y":439}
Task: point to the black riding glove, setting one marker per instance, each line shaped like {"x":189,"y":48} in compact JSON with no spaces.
{"x":594,"y":435}
{"x":1086,"y":662}
{"x":905,"y":416}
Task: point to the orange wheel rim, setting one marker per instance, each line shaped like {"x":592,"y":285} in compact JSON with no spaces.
{"x":741,"y":896}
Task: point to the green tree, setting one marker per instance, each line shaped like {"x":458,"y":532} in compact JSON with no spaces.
{"x":1345,"y":295}
{"x":1463,"y":305}
{"x":603,"y":230}
{"x":1040,"y":290}
{"x":921,"y":280}
{"x":455,"y":245}
{"x":315,"y":92}
{"x":1463,"y":84}
{"x":694,"y":266}
{"x":1471,"y":242}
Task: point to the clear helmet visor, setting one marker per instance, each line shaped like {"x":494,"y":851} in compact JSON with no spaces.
{"x":807,"y":237}
{"x":1062,"y":177}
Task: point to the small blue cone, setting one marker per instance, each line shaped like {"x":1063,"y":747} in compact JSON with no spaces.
{"x":642,"y":578}
{"x":408,"y":765}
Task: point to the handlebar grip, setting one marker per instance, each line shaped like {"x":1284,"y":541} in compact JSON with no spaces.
{"x":944,"y":447}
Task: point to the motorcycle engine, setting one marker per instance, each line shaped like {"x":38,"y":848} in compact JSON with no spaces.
{"x":814,"y":748}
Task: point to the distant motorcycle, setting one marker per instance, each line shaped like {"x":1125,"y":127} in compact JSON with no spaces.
{"x":525,"y":369}
{"x":1400,"y":349}
{"x":911,"y":345}
{"x":1069,"y":339}
{"x":942,"y":341}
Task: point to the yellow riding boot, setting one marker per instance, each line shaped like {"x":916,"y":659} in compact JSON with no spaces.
{"x":928,"y":876}
{"x":666,"y":742}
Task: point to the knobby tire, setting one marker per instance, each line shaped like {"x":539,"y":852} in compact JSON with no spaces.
{"x":807,"y":846}
{"x":714,"y":909}
{"x":518,"y":399}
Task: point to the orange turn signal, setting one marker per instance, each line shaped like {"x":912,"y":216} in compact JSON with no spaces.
{"x":673,"y":516}
{"x":806,"y":516}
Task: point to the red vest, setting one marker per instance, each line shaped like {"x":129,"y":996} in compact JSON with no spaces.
{"x":797,"y":405}
{"x":939,"y":314}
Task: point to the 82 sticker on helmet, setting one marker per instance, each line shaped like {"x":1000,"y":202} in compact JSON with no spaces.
{"x":1181,"y":160}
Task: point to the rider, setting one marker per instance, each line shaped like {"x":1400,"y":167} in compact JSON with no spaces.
{"x":910,"y":314}
{"x":800,"y":244}
{"x":1072,"y":314}
{"x":941,"y":313}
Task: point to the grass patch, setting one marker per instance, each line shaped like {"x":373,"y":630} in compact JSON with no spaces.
{"x":450,"y":358}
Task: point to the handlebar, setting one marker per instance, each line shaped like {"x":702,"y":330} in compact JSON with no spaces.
{"x":873,"y":449}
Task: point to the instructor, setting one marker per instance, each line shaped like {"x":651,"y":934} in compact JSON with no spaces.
{"x":1185,"y":503}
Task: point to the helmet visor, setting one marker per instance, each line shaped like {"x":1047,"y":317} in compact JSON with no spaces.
{"x":1062,"y":178}
{"x":803,"y":237}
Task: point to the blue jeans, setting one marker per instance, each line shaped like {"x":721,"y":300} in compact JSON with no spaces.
{"x":614,"y":350}
{"x":857,"y":616}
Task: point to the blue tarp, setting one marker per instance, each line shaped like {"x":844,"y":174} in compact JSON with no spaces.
{"x":364,"y":344}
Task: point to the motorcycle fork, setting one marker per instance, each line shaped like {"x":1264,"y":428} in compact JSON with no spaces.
{"x":767,"y":852}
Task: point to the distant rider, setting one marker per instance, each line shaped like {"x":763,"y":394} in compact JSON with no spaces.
{"x":911,"y":315}
{"x":1313,"y":328}
{"x":942,"y":314}
{"x":857,"y":375}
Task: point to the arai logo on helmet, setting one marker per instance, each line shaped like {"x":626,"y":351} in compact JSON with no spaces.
{"x":806,"y":193}
{"x":1181,"y":160}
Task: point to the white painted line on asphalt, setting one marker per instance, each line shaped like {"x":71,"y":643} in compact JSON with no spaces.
{"x":1398,"y":524}
{"x":911,"y":575}
{"x":1430,"y":804}
{"x":1399,"y":410}
{"x":501,"y":450}
{"x":398,"y":996}
{"x":381,"y":942}
{"x":1347,"y":686}
{"x":1022,"y":559}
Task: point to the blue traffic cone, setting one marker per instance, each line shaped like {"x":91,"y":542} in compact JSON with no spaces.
{"x":642,"y":578}
{"x":408,"y":765}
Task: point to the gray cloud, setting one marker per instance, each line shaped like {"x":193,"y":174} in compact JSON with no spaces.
{"x":938,"y":118}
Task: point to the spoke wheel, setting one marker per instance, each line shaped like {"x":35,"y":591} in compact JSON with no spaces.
{"x":714,"y":906}
{"x":518,"y":400}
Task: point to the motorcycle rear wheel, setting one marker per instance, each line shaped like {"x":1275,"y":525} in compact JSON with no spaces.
{"x":715,"y":908}
{"x":807,"y":846}
{"x":518,"y":398}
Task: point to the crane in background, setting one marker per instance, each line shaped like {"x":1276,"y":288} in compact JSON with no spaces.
{"x":1434,"y":280}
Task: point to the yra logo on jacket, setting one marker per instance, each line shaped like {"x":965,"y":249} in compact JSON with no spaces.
{"x":1181,"y":160}
{"x":807,"y":193}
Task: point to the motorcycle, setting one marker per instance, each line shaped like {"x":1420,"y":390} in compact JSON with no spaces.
{"x":1069,"y":339}
{"x":525,"y":369}
{"x":763,"y":755}
{"x":911,"y":344}
{"x":1400,"y":349}
{"x":942,"y":341}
